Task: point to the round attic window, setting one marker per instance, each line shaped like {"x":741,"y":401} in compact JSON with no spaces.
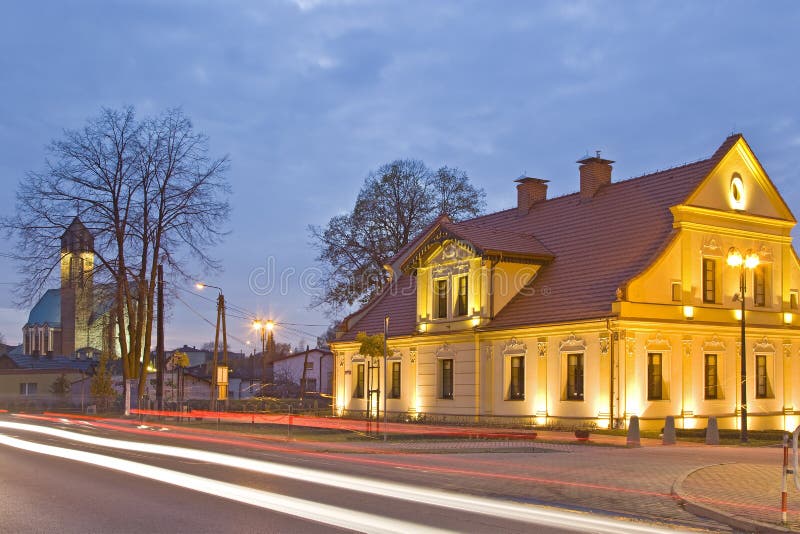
{"x":736,"y":195}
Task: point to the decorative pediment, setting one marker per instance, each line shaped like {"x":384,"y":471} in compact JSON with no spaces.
{"x":658,"y":343}
{"x":715,"y":344}
{"x":572,"y":343}
{"x":514,"y":347}
{"x":445,"y":351}
{"x":441,"y":247}
{"x":711,"y":246}
{"x":763,"y":346}
{"x":765,"y":253}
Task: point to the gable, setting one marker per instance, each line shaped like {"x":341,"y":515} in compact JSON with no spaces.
{"x":738,"y":183}
{"x":449,"y":251}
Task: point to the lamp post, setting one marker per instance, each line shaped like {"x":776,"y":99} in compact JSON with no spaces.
{"x":746,"y":262}
{"x":214,"y":373}
{"x":265,"y":330}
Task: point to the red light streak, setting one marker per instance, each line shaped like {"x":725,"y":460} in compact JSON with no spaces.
{"x":246,"y":441}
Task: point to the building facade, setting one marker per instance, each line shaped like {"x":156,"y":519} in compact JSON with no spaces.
{"x":318,"y":373}
{"x":589,"y":308}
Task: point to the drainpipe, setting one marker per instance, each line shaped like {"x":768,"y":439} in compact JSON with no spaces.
{"x":610,"y":374}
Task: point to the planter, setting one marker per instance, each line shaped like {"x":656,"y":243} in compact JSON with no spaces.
{"x":582,"y":434}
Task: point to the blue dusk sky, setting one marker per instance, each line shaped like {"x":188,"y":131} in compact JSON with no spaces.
{"x":308,"y":96}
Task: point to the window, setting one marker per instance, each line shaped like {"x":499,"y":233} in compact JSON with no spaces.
{"x":762,"y":381}
{"x":760,"y":285}
{"x":654,"y":376}
{"x":461,"y":298}
{"x":516,"y":390}
{"x":358,"y":391}
{"x":447,"y":378}
{"x":27,"y":388}
{"x":575,"y":377}
{"x":310,"y":384}
{"x":440,"y":299}
{"x":709,"y":280}
{"x":711,"y":377}
{"x":394,"y":393}
{"x":676,"y":291}
{"x":309,"y":366}
{"x":793,"y":299}
{"x":76,"y":270}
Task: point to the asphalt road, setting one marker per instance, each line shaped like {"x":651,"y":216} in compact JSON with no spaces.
{"x":54,"y":483}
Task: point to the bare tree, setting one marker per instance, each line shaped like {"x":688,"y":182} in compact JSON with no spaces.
{"x":147,"y":191}
{"x":395,"y":203}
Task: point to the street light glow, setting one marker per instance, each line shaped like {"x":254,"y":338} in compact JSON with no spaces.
{"x":270,"y":325}
{"x":751,"y":261}
{"x":734,"y":257}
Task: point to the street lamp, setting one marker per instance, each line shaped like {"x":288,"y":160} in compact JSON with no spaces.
{"x":748,"y":262}
{"x":265,"y":329}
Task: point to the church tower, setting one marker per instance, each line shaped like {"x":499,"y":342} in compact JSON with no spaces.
{"x":77,"y":263}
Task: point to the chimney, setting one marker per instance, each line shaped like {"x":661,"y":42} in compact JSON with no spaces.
{"x":595,"y":173}
{"x":529,"y":192}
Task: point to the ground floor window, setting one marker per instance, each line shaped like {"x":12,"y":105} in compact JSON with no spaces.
{"x":575,"y":376}
{"x":516,"y":389}
{"x":446,"y":373}
{"x":711,"y":377}
{"x":762,"y":377}
{"x":394,"y":393}
{"x":655,"y":383}
{"x":358,"y":390}
{"x":27,"y":388}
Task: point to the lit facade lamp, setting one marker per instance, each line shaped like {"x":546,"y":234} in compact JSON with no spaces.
{"x":744,"y":263}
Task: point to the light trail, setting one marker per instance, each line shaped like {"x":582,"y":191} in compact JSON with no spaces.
{"x":311,"y":510}
{"x":470,"y":473}
{"x":537,"y":515}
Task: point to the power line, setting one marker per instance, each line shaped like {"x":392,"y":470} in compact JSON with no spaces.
{"x":249,"y":315}
{"x":232,"y":336}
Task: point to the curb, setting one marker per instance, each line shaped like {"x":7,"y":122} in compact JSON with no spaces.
{"x":709,"y":512}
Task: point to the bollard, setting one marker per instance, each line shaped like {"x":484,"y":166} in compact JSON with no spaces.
{"x":669,"y":437}
{"x":633,"y":432}
{"x":786,"y":471}
{"x":712,"y":431}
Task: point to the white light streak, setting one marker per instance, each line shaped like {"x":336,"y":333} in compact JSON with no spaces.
{"x":313,"y":511}
{"x":538,"y":515}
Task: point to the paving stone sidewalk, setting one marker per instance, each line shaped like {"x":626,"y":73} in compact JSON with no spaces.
{"x":743,"y":495}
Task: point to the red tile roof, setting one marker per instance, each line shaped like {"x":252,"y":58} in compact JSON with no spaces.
{"x":599,"y":244}
{"x":398,"y":300}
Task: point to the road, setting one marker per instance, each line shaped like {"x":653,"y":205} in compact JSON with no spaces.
{"x":71,"y":478}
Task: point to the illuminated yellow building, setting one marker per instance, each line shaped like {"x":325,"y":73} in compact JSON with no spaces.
{"x":614,"y":301}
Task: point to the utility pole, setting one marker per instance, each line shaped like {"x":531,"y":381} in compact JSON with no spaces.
{"x":385,"y":371}
{"x":215,"y":384}
{"x":160,"y":362}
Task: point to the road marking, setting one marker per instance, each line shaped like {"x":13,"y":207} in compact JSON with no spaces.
{"x":533,"y":514}
{"x":311,"y":510}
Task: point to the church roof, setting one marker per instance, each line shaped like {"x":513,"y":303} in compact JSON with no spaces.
{"x":598,"y":245}
{"x":47,"y":309}
{"x":22,"y":361}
